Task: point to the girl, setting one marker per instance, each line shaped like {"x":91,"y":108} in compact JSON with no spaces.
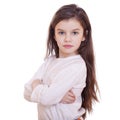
{"x":65,"y":85}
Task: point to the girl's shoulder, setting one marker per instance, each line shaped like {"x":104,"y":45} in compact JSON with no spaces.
{"x":51,"y":57}
{"x":78,"y":63}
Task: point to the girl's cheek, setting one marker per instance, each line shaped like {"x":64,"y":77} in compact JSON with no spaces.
{"x":61,"y":40}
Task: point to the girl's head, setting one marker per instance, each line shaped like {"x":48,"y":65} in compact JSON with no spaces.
{"x":68,"y":12}
{"x":72,"y":15}
{"x":69,"y":34}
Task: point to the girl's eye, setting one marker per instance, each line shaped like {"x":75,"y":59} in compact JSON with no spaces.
{"x":75,"y":33}
{"x":61,"y":33}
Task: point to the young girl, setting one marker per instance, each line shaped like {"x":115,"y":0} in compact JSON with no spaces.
{"x":65,"y":85}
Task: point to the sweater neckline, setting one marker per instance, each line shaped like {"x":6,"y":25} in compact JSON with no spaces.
{"x":68,"y":58}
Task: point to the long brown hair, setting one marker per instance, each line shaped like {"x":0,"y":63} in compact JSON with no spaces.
{"x":85,"y":50}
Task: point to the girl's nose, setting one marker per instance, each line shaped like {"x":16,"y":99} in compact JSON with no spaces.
{"x":67,"y":38}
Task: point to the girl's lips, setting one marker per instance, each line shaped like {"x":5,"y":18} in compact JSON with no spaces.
{"x":67,"y":46}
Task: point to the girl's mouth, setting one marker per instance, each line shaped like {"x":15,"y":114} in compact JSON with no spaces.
{"x":68,"y":46}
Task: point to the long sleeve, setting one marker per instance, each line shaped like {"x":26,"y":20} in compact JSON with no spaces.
{"x":28,"y":87}
{"x":63,"y":82}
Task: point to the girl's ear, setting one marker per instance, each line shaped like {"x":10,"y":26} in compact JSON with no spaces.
{"x":83,"y":39}
{"x":55,"y":37}
{"x":86,"y":33}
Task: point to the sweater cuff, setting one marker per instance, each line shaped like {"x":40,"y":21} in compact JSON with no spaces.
{"x":35,"y":96}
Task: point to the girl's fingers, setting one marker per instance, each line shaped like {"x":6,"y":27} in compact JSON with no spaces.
{"x":70,"y":93}
{"x":68,"y":98}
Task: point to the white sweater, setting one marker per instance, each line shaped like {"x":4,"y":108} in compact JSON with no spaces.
{"x":59,"y":75}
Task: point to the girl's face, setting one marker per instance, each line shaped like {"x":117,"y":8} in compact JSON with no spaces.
{"x":69,"y":35}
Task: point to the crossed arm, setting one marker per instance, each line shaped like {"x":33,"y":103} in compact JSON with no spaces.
{"x":68,"y":98}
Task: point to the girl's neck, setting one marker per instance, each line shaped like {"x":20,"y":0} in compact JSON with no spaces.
{"x":67,"y":55}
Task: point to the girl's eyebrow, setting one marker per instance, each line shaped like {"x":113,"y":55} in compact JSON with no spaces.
{"x":59,"y":29}
{"x":76,"y":29}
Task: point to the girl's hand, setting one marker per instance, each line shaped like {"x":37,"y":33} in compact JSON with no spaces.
{"x":36,"y":83}
{"x":68,"y":98}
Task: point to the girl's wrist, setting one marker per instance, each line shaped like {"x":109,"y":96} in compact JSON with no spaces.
{"x":35,"y":83}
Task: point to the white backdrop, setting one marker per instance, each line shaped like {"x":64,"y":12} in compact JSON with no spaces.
{"x":23,"y":32}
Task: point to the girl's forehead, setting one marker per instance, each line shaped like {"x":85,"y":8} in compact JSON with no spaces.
{"x":69,"y":23}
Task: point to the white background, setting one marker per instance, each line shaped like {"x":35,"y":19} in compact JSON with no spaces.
{"x":23,"y":32}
